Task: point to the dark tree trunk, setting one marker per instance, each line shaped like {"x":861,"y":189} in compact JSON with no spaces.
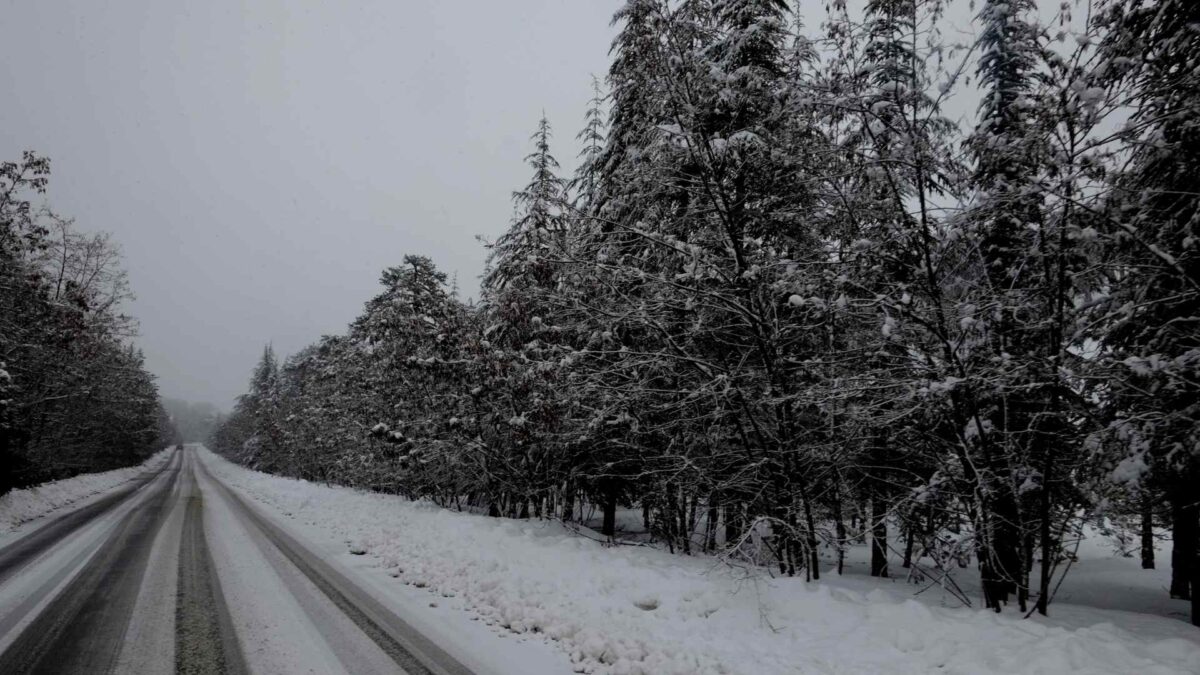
{"x":1196,"y":592}
{"x":710,"y":531}
{"x":1047,"y":545}
{"x":987,"y":577}
{"x":1183,"y":535}
{"x":609,"y":527}
{"x":732,"y":524}
{"x":879,"y":533}
{"x":810,"y":535}
{"x":1147,"y":532}
{"x":8,"y":475}
{"x":785,"y":542}
{"x":568,"y":504}
{"x":668,"y":520}
{"x":1023,"y":586}
{"x":1001,"y":572}
{"x":688,"y":513}
{"x":910,"y":535}
{"x":839,"y":525}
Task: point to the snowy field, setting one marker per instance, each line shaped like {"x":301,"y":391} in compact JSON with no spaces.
{"x":22,"y":506}
{"x":630,"y":609}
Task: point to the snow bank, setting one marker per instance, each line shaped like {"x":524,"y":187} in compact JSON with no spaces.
{"x":630,"y":610}
{"x":21,"y":506}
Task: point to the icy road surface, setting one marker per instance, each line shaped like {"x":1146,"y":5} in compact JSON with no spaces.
{"x":173,"y":572}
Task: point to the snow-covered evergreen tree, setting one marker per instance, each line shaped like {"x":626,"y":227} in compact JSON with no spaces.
{"x":1151,"y":52}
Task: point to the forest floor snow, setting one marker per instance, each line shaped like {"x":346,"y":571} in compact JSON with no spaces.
{"x":636,"y":609}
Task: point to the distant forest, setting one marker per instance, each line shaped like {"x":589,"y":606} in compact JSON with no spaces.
{"x":785,"y":301}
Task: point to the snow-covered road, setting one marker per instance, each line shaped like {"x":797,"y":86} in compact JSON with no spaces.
{"x":192,"y":564}
{"x":174,"y":572}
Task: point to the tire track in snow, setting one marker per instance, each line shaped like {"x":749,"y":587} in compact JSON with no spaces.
{"x":205,"y":642}
{"x":20,"y":553}
{"x":82,"y":629}
{"x":410,"y":650}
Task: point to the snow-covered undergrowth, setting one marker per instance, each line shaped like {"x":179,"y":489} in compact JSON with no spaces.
{"x":639,"y":610}
{"x":21,"y":506}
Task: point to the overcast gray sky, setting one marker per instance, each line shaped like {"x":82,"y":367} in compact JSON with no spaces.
{"x":260,"y":161}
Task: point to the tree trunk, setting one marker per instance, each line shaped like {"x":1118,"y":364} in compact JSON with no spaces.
{"x":879,"y":533}
{"x":785,"y":542}
{"x":687,"y":517}
{"x":568,"y":504}
{"x":1147,"y":532}
{"x":688,"y":514}
{"x":1196,"y":592}
{"x":1002,"y":572}
{"x":814,"y":562}
{"x":732,"y":526}
{"x":1183,"y":535}
{"x":1027,"y":546}
{"x":667,"y":520}
{"x":1048,"y":552}
{"x":609,"y":527}
{"x":839,"y":525}
{"x":910,"y":535}
{"x":710,"y":531}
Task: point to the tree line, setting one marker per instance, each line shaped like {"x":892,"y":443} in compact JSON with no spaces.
{"x":75,"y":396}
{"x":785,"y":301}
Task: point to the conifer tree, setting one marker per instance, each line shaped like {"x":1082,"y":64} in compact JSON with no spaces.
{"x":519,"y":408}
{"x":592,"y":138}
{"x":1151,"y":61}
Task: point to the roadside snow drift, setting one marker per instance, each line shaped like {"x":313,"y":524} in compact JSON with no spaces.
{"x":631,"y":610}
{"x":21,"y":506}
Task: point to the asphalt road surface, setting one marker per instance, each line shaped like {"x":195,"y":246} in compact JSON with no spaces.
{"x":175,"y":572}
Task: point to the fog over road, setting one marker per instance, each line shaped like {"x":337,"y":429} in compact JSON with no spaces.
{"x":176,"y":573}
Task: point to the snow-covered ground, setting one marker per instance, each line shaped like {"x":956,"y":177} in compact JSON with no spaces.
{"x":639,"y":610}
{"x":1101,"y":577}
{"x":22,"y":506}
